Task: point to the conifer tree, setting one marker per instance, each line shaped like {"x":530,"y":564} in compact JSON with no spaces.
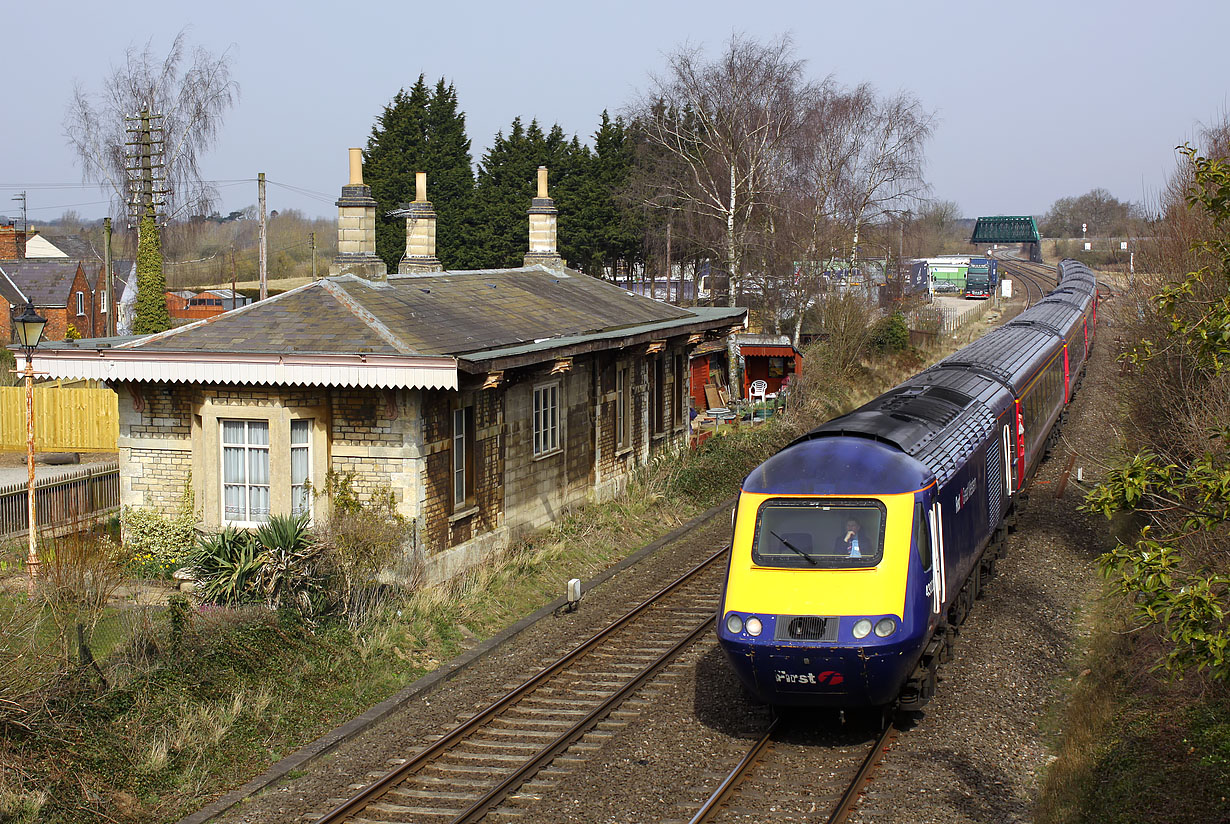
{"x":507,"y":182}
{"x":422,"y":131}
{"x":151,"y":309}
{"x":394,"y":150}
{"x":450,"y":179}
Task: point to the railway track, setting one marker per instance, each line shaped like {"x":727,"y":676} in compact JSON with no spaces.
{"x":491,"y":760}
{"x":1038,"y":278}
{"x":779,"y":776}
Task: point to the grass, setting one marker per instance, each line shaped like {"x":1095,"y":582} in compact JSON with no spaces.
{"x":245,"y":687}
{"x":1135,"y":746}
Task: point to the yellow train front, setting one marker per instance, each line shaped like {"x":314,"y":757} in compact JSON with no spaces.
{"x":829,"y":598}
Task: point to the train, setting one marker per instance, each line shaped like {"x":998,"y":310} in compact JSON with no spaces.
{"x":859,"y":548}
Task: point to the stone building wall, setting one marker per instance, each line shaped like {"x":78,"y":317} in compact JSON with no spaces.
{"x":168,"y":435}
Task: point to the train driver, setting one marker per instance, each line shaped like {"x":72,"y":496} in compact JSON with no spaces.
{"x":848,"y":544}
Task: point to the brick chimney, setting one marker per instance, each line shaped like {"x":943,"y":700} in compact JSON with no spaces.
{"x":12,"y":243}
{"x":420,"y":254}
{"x":356,"y":228}
{"x":543,"y":213}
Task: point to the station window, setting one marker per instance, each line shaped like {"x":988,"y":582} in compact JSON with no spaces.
{"x":546,"y":418}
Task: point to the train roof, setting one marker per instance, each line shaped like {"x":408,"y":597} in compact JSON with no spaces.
{"x":936,"y":419}
{"x":1057,"y":316}
{"x":838,"y":466}
{"x":1009,"y":354}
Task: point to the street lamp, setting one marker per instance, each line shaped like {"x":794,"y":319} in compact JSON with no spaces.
{"x":29,"y":333}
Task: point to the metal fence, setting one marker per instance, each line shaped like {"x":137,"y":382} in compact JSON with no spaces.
{"x":931,"y":321}
{"x":79,"y":497}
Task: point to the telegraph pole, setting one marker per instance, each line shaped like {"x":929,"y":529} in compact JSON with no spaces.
{"x":312,"y":243}
{"x":21,"y":198}
{"x":264,"y":253}
{"x":109,"y":302}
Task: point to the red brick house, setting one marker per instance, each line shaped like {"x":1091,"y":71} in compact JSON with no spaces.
{"x":489,"y":402}
{"x":60,"y":291}
{"x":66,"y":287}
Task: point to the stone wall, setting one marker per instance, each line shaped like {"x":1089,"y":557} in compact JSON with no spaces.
{"x":169,"y":430}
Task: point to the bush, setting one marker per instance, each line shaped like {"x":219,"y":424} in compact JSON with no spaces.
{"x":360,"y":538}
{"x":890,"y":334}
{"x":295,"y":571}
{"x":155,"y":544}
{"x":8,"y":368}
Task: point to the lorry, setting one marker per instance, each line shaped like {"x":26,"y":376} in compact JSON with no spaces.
{"x":981,"y":278}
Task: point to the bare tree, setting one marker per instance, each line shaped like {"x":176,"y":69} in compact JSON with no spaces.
{"x":191,"y":98}
{"x":854,"y":158}
{"x":727,"y":122}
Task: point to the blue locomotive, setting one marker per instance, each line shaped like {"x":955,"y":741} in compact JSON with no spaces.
{"x":859,"y":547}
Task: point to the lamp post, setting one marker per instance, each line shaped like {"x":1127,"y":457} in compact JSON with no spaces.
{"x":29,"y":333}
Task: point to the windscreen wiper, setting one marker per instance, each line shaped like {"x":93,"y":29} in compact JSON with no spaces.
{"x":793,"y":548}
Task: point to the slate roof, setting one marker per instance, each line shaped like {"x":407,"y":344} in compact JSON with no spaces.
{"x":9,"y":290}
{"x":44,"y":282}
{"x":77,"y":247}
{"x":474,"y":315}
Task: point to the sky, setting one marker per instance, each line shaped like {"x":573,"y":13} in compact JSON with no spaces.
{"x":1033,"y":101}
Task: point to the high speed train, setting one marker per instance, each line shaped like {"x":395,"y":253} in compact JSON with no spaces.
{"x":859,"y":547}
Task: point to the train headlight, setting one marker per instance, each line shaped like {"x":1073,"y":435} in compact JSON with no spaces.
{"x":862,"y":627}
{"x":754,"y":627}
{"x":885,"y":627}
{"x":734,"y":624}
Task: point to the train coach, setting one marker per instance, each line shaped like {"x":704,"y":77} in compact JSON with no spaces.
{"x":861,"y":546}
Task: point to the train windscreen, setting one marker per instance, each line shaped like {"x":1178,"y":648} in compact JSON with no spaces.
{"x":819,"y":534}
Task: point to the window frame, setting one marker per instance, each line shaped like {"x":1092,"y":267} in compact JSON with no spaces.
{"x":307,"y":481}
{"x":248,"y":447}
{"x":657,"y":396}
{"x":80,"y":304}
{"x":468,"y":443}
{"x":623,"y":407}
{"x":681,"y":390}
{"x":545,"y":420}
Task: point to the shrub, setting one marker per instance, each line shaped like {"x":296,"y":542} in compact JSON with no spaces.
{"x":156,"y":544}
{"x":890,"y":334}
{"x":295,"y":572}
{"x":8,"y":369}
{"x":360,"y":538}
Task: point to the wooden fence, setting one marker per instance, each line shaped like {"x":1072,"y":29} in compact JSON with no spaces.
{"x":64,"y":503}
{"x":65,"y":419}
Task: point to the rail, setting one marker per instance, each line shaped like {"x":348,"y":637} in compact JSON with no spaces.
{"x":63,"y":502}
{"x":761,"y":752}
{"x":553,"y":683}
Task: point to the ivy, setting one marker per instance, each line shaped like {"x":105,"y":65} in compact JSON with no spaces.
{"x":1167,"y":574}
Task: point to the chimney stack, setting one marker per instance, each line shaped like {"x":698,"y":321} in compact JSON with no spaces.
{"x":356,"y":228}
{"x":420,"y":254}
{"x":543,"y":214}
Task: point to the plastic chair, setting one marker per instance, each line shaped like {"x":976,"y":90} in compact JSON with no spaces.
{"x":758,"y":390}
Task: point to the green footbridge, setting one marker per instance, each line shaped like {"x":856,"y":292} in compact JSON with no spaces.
{"x":1009,"y":229}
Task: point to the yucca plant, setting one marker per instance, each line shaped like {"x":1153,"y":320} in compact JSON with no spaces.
{"x":224,"y":566}
{"x":294,"y":570}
